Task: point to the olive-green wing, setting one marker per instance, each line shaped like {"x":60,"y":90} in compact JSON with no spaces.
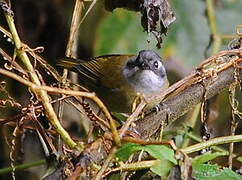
{"x":98,"y":71}
{"x":112,"y":72}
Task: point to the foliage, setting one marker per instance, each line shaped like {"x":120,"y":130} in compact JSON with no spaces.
{"x":88,"y":142}
{"x":209,"y":171}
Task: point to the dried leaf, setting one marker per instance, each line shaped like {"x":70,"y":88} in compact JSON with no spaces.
{"x":156,"y":17}
{"x":156,"y":14}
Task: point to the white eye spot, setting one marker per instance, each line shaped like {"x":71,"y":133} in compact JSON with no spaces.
{"x":156,"y":64}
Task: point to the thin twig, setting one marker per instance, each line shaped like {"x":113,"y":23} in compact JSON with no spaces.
{"x":40,"y":94}
{"x":88,"y":11}
{"x":23,"y":166}
{"x":13,"y":63}
{"x":68,"y":92}
{"x":212,"y":142}
{"x":216,"y":148}
{"x":135,"y":166}
{"x":233,"y":122}
{"x":42,"y":62}
{"x":71,"y":49}
{"x":100,"y":120}
{"x":106,"y":163}
{"x":132,"y":117}
{"x":216,"y":38}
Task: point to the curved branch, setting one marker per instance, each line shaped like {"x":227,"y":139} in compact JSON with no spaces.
{"x":175,"y":106}
{"x":186,"y":94}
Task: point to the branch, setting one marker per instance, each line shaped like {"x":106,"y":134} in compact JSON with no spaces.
{"x":35,"y":87}
{"x":71,"y":50}
{"x":212,"y":142}
{"x":41,"y":95}
{"x":22,"y":166}
{"x":175,"y":106}
{"x":184,"y":95}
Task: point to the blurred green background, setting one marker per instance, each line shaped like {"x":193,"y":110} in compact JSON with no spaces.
{"x":187,"y":38}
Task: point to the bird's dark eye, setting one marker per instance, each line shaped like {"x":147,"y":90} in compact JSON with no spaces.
{"x":156,"y":64}
{"x":131,"y":64}
{"x":143,"y":65}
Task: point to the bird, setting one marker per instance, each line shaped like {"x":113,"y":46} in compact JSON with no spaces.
{"x":119,"y":79}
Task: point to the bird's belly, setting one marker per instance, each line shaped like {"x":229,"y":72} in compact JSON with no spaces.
{"x":147,"y":82}
{"x":118,"y":100}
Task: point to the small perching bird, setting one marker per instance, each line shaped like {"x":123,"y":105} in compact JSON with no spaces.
{"x":117,"y":79}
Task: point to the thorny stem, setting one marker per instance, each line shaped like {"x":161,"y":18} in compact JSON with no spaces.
{"x":41,"y":95}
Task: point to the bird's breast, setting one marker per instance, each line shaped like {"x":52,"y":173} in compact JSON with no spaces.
{"x":146,"y":81}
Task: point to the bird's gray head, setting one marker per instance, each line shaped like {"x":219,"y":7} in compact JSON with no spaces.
{"x":145,"y":72}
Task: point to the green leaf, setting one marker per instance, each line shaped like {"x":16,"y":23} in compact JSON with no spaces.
{"x":161,"y":152}
{"x":206,"y":157}
{"x":209,"y":171}
{"x":120,"y":117}
{"x":126,"y":150}
{"x":179,"y":139}
{"x":157,"y":151}
{"x":163,"y":168}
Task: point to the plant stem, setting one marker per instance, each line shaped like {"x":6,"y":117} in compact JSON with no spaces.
{"x":22,"y":166}
{"x":41,"y":95}
{"x":106,"y":163}
{"x":216,"y":38}
{"x":212,"y":142}
{"x":216,"y":148}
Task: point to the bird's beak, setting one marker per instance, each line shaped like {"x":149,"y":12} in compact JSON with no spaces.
{"x":144,"y":65}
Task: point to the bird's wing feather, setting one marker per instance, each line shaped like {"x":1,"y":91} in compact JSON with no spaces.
{"x":98,"y":71}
